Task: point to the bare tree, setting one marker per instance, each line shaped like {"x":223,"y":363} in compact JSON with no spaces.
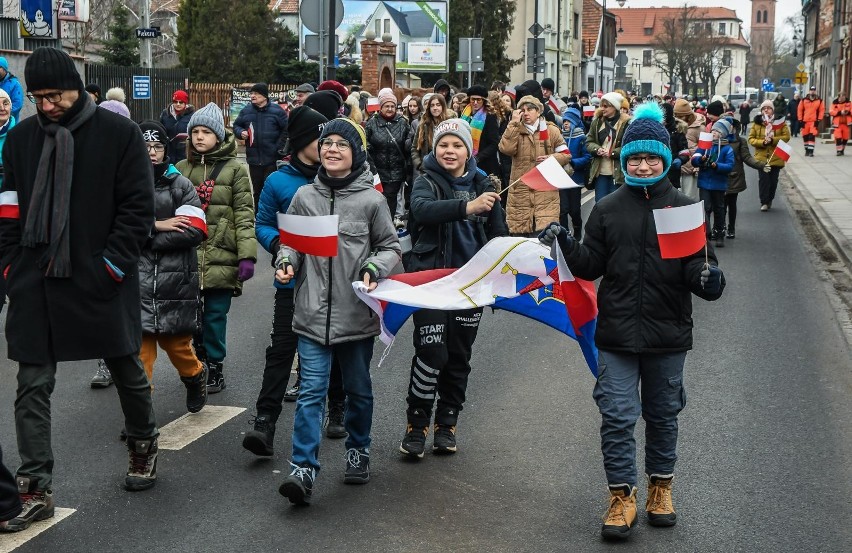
{"x":81,"y":36}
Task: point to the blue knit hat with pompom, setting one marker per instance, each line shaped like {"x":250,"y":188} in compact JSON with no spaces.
{"x":646,"y":135}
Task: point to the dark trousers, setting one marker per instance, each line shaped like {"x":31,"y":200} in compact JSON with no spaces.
{"x":10,"y":502}
{"x":258,"y":174}
{"x":795,"y":127}
{"x":32,"y":412}
{"x":443,"y":342}
{"x":731,"y":205}
{"x":714,"y":202}
{"x":391,"y":191}
{"x":279,"y":360}
{"x":767,"y":185}
{"x":569,"y":206}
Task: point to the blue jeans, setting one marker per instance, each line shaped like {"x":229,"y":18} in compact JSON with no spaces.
{"x":316,"y":358}
{"x":617,"y":393}
{"x":604,"y":186}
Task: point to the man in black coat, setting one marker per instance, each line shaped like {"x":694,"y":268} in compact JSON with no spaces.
{"x":263,"y":126}
{"x":77,"y":206}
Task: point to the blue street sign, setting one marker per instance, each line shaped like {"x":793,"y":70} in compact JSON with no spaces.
{"x":141,"y":87}
{"x":786,"y":83}
{"x":768,"y":87}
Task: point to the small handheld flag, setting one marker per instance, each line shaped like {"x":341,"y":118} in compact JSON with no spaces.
{"x":373,"y":105}
{"x":680,"y":230}
{"x":313,"y":235}
{"x":705,"y":140}
{"x":377,"y":183}
{"x":783,"y":150}
{"x":250,"y":137}
{"x":588,"y":111}
{"x":548,"y":176}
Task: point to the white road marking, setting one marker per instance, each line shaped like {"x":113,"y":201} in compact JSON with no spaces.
{"x":188,"y":428}
{"x":587,"y":197}
{"x":12,"y":541}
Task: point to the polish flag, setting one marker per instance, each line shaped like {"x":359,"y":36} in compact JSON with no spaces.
{"x":196,"y":216}
{"x":783,"y":150}
{"x":680,"y":230}
{"x":705,"y":140}
{"x":542,"y":130}
{"x":377,"y":183}
{"x":548,"y":176}
{"x":250,"y":137}
{"x":9,"y":205}
{"x":313,"y":235}
{"x":588,"y":111}
{"x":373,"y":105}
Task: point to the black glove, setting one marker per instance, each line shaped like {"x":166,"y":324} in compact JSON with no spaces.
{"x":371,"y":270}
{"x":711,"y":279}
{"x":557,"y":232}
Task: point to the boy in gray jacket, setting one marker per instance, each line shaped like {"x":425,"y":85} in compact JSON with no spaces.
{"x":329,"y":318}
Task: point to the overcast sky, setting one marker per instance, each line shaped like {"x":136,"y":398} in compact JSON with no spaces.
{"x":783,"y":9}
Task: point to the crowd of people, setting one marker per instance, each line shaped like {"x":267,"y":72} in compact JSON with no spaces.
{"x":174,"y":222}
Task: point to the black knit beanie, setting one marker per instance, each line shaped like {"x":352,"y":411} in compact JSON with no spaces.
{"x":303,"y":127}
{"x":326,"y":102}
{"x":51,"y":68}
{"x":153,"y":131}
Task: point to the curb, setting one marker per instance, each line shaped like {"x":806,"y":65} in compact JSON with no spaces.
{"x":838,"y":241}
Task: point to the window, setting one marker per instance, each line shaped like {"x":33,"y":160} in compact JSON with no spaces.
{"x":576,"y":25}
{"x":759,"y":16}
{"x":765,"y":19}
{"x":646,"y":57}
{"x":387,"y":25}
{"x":708,"y":27}
{"x":649,"y":31}
{"x":726,"y":58}
{"x":379,"y":29}
{"x":722,"y":29}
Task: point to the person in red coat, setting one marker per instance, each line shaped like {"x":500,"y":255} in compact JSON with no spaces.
{"x":811,"y":112}
{"x":841,"y":113}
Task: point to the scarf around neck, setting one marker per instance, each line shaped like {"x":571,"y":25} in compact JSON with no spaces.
{"x":50,"y":203}
{"x":477,"y":123}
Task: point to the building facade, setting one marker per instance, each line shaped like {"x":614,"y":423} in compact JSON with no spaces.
{"x":827,"y":48}
{"x":599,"y":40}
{"x":762,"y":39}
{"x":641,"y":56}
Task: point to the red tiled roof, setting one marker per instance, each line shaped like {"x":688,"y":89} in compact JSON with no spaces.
{"x":591,"y":26}
{"x":284,"y":6}
{"x":634,"y":21}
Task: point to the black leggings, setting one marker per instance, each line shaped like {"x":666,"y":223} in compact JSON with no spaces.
{"x":731,"y":204}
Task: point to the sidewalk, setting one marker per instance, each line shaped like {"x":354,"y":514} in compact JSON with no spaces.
{"x":825,"y":182}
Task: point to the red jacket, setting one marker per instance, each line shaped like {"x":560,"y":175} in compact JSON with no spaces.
{"x":811,"y":111}
{"x":841,"y":118}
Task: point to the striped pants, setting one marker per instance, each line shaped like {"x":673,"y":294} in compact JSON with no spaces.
{"x":809,"y":134}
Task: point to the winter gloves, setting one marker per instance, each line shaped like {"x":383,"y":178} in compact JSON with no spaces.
{"x":560,"y":234}
{"x":245,"y":270}
{"x":711,"y":279}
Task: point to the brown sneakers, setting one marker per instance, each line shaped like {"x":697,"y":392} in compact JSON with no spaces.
{"x":621,"y":515}
{"x":37,"y":505}
{"x":659,"y":505}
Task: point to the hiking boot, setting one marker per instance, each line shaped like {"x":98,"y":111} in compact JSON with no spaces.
{"x":102,"y":378}
{"x":196,"y":390}
{"x":299,"y":486}
{"x":720,"y":239}
{"x":444,"y":441}
{"x":334,"y":427}
{"x":259,"y":441}
{"x":414,"y":442}
{"x":215,"y":378}
{"x":621,"y":515}
{"x":142,"y":473}
{"x":357,"y":466}
{"x":292,"y":394}
{"x":37,"y":505}
{"x":659,"y":504}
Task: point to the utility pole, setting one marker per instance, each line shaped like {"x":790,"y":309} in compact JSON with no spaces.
{"x":332,"y":43}
{"x":146,"y":43}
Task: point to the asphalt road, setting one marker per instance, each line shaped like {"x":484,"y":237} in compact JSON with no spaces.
{"x":765,"y":442}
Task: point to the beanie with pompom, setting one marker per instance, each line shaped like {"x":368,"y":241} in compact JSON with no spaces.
{"x":646,"y":135}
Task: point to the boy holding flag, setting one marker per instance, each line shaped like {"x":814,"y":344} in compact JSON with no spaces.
{"x":647,"y":347}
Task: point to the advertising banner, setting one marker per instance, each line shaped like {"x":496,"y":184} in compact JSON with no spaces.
{"x":37,"y":19}
{"x":240,"y":98}
{"x":73,"y":10}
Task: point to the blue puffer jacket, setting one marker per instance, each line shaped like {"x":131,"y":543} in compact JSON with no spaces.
{"x":709,"y":177}
{"x":278,"y":191}
{"x":270,"y":132}
{"x":576,"y":141}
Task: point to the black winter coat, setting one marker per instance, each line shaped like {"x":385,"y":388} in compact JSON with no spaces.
{"x":644,"y":302}
{"x":168,"y":267}
{"x":386,"y":147}
{"x":432,"y":216}
{"x":174,"y":126}
{"x":89,"y":315}
{"x":270,"y":132}
{"x":680,"y":150}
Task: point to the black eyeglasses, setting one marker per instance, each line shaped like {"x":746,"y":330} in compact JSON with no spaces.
{"x":342,"y":145}
{"x":156,"y":147}
{"x":52,"y":97}
{"x":636,"y":161}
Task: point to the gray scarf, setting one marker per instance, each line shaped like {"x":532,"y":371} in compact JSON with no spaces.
{"x":50,"y":203}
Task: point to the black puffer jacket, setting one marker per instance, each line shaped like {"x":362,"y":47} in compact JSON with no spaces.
{"x":644,"y":301}
{"x":386,"y":147}
{"x":176,"y":124}
{"x":433,"y":214}
{"x":168,"y":266}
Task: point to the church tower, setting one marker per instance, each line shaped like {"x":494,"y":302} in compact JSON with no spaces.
{"x":762,"y":41}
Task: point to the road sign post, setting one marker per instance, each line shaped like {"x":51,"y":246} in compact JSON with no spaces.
{"x":470,"y":57}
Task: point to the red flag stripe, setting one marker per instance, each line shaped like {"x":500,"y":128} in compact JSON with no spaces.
{"x":682,"y":244}
{"x":321,"y":246}
{"x":196,"y":216}
{"x":9,"y":205}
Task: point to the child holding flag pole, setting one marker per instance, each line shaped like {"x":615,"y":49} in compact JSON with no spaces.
{"x":655,"y":263}
{"x":765,"y":136}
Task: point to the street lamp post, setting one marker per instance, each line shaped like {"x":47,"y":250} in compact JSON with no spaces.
{"x":603,"y":25}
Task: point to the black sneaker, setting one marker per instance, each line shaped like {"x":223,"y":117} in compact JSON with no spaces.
{"x":730,"y":234}
{"x":444,"y":442}
{"x":357,"y":466}
{"x":215,"y":378}
{"x":292,"y":394}
{"x":720,"y":239}
{"x":299,"y":486}
{"x":102,"y":378}
{"x":37,"y":505}
{"x":259,"y":441}
{"x":414,"y":442}
{"x":334,"y":427}
{"x":196,"y":390}
{"x":142,"y":473}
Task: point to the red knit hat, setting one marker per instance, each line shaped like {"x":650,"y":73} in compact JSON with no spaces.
{"x":335,"y":86}
{"x":180,"y":96}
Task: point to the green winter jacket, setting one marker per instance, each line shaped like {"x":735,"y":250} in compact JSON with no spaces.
{"x":592,"y":146}
{"x":230,"y":214}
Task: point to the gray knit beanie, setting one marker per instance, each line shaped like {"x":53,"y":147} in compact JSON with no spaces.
{"x":209,"y":116}
{"x":455,"y":127}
